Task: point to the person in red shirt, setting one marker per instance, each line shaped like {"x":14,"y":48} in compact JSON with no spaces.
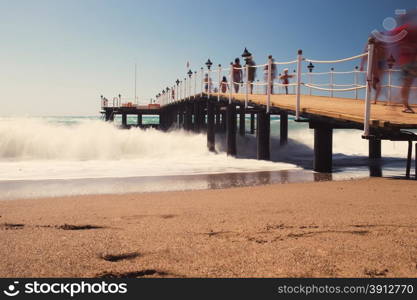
{"x":378,"y":66}
{"x":285,"y":79}
{"x":223,"y":87}
{"x":237,"y":75}
{"x":406,"y":50}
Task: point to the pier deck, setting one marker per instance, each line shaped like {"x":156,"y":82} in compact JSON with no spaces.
{"x":342,"y":109}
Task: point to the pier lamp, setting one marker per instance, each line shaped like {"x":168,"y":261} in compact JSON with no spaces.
{"x":209,"y":64}
{"x":332,"y":69}
{"x":190,"y":73}
{"x":177,"y":82}
{"x":246,"y":54}
{"x":310,"y":67}
{"x":390,"y":62}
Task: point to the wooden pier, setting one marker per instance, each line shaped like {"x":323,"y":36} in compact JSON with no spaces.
{"x":214,"y":114}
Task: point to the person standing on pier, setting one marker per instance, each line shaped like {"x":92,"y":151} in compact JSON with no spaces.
{"x":403,"y":42}
{"x":223,"y":87}
{"x":378,"y":66}
{"x":251,"y":72}
{"x":407,"y":49}
{"x":207,"y":83}
{"x":285,"y":79}
{"x":273,"y":74}
{"x":237,"y":75}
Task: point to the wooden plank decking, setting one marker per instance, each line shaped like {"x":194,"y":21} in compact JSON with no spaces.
{"x":340,"y":108}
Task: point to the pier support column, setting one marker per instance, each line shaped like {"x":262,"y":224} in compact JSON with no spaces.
{"x":188,"y":122}
{"x":124,"y":120}
{"x":218,"y":118}
{"x":210,"y":126}
{"x":263,"y":135}
{"x":181,"y":117}
{"x":242,"y":120}
{"x":196,"y":117}
{"x":139,"y":120}
{"x":374,"y":148}
{"x":323,"y":144}
{"x":283,"y":128}
{"x":224,"y":121}
{"x":202,"y":114}
{"x":231,"y":129}
{"x":108,"y":116}
{"x":252,"y":123}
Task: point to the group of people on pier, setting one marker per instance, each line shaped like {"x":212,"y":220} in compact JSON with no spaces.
{"x":397,"y":47}
{"x":239,"y":77}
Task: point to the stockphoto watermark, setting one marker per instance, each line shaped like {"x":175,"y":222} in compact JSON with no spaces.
{"x":390,"y":23}
{"x":61,"y":288}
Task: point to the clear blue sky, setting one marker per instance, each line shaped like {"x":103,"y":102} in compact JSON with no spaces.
{"x":57,"y":57}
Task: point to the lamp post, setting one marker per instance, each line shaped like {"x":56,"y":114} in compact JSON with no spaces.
{"x":202,"y":81}
{"x":168,"y":94}
{"x":390,"y":63}
{"x":190,"y":73}
{"x":331,"y":82}
{"x":356,"y":80}
{"x":208,"y":64}
{"x":195,"y":84}
{"x":310,"y":68}
{"x":176,"y":92}
{"x":246,"y":54}
{"x":185,"y":88}
{"x":220,"y":82}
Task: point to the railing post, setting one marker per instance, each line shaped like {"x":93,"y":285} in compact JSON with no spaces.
{"x":195,"y":84}
{"x":220,"y":82}
{"x":208,"y":84}
{"x":389,"y":86}
{"x":269,"y":84}
{"x":367,"y":116}
{"x":247,"y":85}
{"x":356,"y":81}
{"x":331,"y":82}
{"x":298,"y":94}
{"x":230,"y":83}
{"x":310,"y":81}
{"x":202,"y":81}
{"x":190,"y":87}
{"x":185,"y":88}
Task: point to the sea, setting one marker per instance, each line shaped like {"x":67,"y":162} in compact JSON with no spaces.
{"x":74,"y":155}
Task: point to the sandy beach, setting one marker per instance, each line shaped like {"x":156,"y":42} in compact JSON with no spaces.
{"x":356,"y":228}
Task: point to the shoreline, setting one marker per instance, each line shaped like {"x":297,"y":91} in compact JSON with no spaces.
{"x":355,"y":228}
{"x":50,"y":188}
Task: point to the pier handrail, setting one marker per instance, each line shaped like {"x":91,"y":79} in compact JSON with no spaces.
{"x":183,"y":90}
{"x":302,"y":83}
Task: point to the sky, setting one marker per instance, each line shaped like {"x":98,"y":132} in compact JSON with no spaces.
{"x":57,"y":57}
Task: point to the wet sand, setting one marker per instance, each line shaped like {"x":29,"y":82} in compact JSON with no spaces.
{"x":356,"y":228}
{"x":19,"y":189}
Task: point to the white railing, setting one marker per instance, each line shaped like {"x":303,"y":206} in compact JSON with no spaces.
{"x":226,"y":86}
